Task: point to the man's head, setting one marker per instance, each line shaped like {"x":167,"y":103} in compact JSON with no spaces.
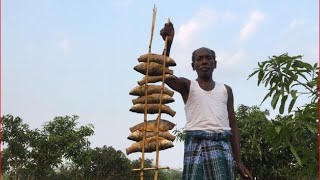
{"x":204,"y":62}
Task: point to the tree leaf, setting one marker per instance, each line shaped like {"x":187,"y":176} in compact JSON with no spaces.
{"x":260,"y":76}
{"x":311,"y":129}
{"x":293,"y":93}
{"x":255,"y":72}
{"x":265,"y":97}
{"x":294,"y":152}
{"x":293,"y":101}
{"x":283,"y":102}
{"x":277,"y":129}
{"x":275,"y":99}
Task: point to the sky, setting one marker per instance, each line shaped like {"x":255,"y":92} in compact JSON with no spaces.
{"x":76,"y":57}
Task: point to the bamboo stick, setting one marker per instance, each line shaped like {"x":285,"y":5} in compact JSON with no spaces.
{"x":153,"y":168}
{"x":146,"y":92}
{"x":159,"y":114}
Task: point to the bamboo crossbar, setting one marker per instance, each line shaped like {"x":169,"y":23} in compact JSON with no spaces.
{"x":153,"y":168}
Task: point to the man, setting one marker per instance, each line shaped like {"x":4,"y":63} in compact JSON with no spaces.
{"x":212,"y":149}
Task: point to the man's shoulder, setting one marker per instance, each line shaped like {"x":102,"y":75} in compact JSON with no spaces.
{"x":228,"y":88}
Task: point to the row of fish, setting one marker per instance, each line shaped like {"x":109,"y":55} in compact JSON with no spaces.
{"x":155,"y":102}
{"x":165,"y":138}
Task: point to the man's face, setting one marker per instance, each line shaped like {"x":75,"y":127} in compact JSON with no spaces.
{"x":204,"y":63}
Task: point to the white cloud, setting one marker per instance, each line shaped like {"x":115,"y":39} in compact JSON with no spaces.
{"x":188,"y":31}
{"x":298,"y":23}
{"x":229,"y":59}
{"x":65,"y":45}
{"x":251,"y":25}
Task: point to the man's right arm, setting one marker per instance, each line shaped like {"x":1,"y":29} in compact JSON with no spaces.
{"x":180,"y":85}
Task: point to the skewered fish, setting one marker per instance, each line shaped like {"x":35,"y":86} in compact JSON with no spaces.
{"x":154,"y":99}
{"x":155,"y":69}
{"x":153,"y":79}
{"x":157,"y":58}
{"x":152,"y":89}
{"x":152,"y":109}
{"x":138,"y":135}
{"x":164,"y":125}
{"x":150,"y":145}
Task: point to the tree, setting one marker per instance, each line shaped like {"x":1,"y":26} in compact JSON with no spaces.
{"x":15,"y":136}
{"x":286,"y":78}
{"x":35,"y":154}
{"x":255,"y":148}
{"x":108,"y":163}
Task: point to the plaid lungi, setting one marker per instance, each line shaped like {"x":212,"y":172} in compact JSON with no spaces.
{"x":208,"y":155}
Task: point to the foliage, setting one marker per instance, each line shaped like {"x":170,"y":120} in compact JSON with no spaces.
{"x":60,"y":150}
{"x":255,"y":155}
{"x":296,"y":133}
{"x":180,"y":135}
{"x":287,"y":76}
{"x":36,"y":153}
{"x":15,"y":155}
{"x":108,"y":163}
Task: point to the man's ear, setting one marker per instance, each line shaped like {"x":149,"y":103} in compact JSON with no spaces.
{"x":215,"y":64}
{"x":192,"y":66}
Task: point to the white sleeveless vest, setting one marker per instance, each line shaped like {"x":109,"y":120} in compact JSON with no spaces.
{"x":207,"y":110}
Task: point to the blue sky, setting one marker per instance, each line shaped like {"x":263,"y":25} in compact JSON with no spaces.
{"x":77,"y":57}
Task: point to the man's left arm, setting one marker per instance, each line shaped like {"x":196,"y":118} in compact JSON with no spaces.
{"x":235,"y":140}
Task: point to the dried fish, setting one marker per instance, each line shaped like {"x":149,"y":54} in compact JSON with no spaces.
{"x":152,"y":109}
{"x":152,"y":89}
{"x":138,"y":135}
{"x":157,"y":58}
{"x":150,"y":145}
{"x":154,"y":99}
{"x":155,"y":69}
{"x":153,"y":79}
{"x":164,"y":125}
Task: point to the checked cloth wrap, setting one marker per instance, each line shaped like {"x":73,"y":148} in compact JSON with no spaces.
{"x":208,"y":156}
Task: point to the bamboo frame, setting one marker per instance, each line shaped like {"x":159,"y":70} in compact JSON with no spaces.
{"x":156,"y":168}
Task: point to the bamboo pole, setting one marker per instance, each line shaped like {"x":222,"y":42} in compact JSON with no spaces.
{"x":160,"y":104}
{"x":146,"y":94}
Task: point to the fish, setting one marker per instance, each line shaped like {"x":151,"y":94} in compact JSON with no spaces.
{"x":150,"y":145}
{"x":153,"y":99}
{"x":157,"y":58}
{"x":153,"y":79}
{"x":152,"y":89}
{"x":138,"y":135}
{"x":164,"y":125}
{"x":155,"y":69}
{"x":152,"y":109}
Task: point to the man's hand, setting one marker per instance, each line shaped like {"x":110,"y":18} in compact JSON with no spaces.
{"x":167,"y":30}
{"x":244,"y":172}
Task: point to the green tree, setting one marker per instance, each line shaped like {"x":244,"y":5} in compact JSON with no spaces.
{"x":286,"y":78}
{"x":251,"y":122}
{"x":60,"y":139}
{"x":15,"y":153}
{"x":36,"y":154}
{"x":265,"y":158}
{"x":108,"y":163}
